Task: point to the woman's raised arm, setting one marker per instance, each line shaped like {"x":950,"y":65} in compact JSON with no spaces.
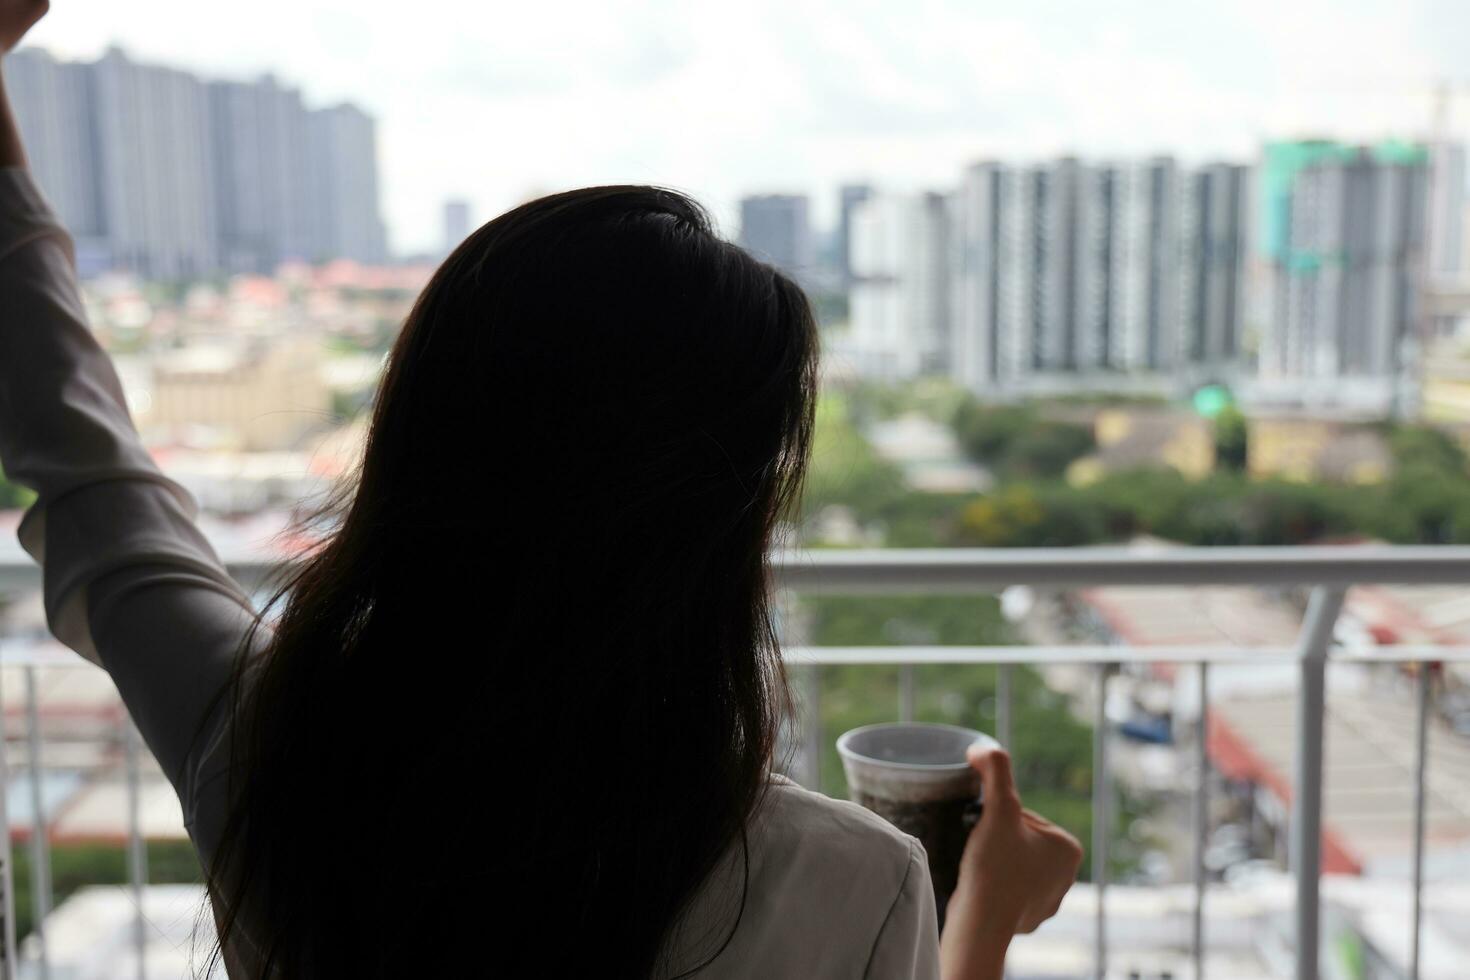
{"x":129,"y":580}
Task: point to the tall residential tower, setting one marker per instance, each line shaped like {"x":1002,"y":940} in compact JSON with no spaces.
{"x":1067,"y":273}
{"x":1343,"y":232}
{"x":900,"y":285}
{"x":260,"y":160}
{"x":776,"y":229}
{"x":161,"y":173}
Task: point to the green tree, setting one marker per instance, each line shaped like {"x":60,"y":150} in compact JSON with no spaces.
{"x":986,"y":431}
{"x":1008,"y":518}
{"x":844,"y":468}
{"x":1231,"y":440}
{"x":1425,"y":504}
{"x":1017,"y":441}
{"x":1046,"y":449}
{"x":1427,"y":447}
{"x":1148,"y":500}
{"x":1023,"y":515}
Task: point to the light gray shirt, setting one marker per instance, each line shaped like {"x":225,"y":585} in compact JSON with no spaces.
{"x":132,"y":585}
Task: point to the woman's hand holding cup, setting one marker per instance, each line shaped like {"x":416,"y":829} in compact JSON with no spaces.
{"x":1017,"y":867}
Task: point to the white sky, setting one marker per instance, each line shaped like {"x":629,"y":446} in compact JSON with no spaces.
{"x":493,"y":101}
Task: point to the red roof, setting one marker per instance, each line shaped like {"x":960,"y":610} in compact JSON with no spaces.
{"x":1234,"y":757}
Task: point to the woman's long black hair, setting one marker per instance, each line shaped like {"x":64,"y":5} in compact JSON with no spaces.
{"x":524,"y":697}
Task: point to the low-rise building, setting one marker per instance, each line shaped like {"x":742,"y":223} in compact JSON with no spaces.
{"x":1446,"y":394}
{"x":1368,"y":729}
{"x":1306,"y":448}
{"x":242,"y":394}
{"x":1130,"y":439}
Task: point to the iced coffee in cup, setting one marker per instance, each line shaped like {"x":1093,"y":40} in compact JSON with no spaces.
{"x":917,"y":778}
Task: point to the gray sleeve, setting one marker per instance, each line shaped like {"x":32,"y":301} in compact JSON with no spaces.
{"x":907,"y":947}
{"x":169,"y":639}
{"x":130,"y":582}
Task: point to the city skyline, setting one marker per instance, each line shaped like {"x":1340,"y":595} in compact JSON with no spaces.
{"x":174,"y":175}
{"x":1297,"y":281}
{"x":1025,"y":272}
{"x":1070,"y":270}
{"x":507,"y":104}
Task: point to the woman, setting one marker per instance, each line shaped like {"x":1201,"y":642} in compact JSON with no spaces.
{"x":517,"y":715}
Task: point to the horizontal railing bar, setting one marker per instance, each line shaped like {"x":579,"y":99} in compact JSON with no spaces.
{"x":24,"y":575}
{"x":919,"y":655}
{"x":961,"y":570}
{"x":1399,"y":654}
{"x":877,"y":656}
{"x":896,"y":656}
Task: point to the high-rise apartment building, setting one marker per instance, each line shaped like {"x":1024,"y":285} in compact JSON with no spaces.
{"x":1215,"y":230}
{"x":456,"y":223}
{"x":156,"y":168}
{"x":1447,"y":211}
{"x":977,"y":349}
{"x":900,"y":304}
{"x":158,"y":172}
{"x":1446,"y":229}
{"x":776,"y":229}
{"x":1343,"y":231}
{"x":260,"y":149}
{"x":849,"y":197}
{"x":343,"y":144}
{"x":53,"y":100}
{"x":1001,"y":251}
{"x":1067,"y":270}
{"x":1148,"y":247}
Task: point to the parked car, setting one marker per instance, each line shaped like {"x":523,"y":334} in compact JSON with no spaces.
{"x":1152,"y":729}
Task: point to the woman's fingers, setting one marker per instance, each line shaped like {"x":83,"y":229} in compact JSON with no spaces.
{"x":1044,"y":826}
{"x":997,"y":783}
{"x":1038,"y":821}
{"x":1042,"y":911}
{"x":17,"y":17}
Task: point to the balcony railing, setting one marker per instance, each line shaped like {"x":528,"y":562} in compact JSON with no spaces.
{"x":1327,"y":572}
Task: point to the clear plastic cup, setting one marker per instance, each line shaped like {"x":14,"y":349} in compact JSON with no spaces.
{"x":916,"y":777}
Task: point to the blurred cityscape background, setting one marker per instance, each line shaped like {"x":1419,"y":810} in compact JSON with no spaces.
{"x":1055,"y":351}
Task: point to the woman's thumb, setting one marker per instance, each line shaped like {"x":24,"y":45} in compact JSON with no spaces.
{"x":994,"y":765}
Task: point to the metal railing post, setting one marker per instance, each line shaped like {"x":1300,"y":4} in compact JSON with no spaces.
{"x":1306,"y":804}
{"x":1003,"y":709}
{"x":137,"y":848}
{"x":906,"y":693}
{"x":1201,"y":822}
{"x":1100,"y":810}
{"x":40,"y":843}
{"x":1421,"y":757}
